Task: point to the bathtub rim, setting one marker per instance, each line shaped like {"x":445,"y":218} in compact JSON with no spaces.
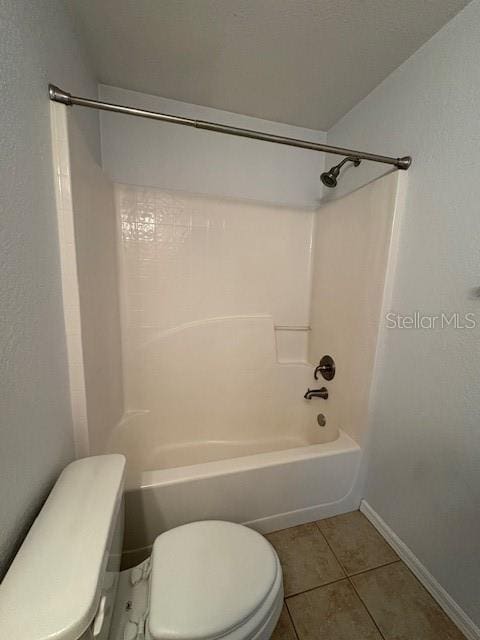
{"x":177,"y":475}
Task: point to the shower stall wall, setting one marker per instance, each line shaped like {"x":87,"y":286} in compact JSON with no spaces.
{"x":215,"y":312}
{"x":260,"y":457}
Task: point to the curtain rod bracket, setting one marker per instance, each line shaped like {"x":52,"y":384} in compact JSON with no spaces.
{"x":404,"y":163}
{"x":57,"y":95}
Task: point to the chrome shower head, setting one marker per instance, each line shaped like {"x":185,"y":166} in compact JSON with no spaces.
{"x":329,"y":178}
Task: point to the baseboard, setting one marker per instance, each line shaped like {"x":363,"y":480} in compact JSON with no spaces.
{"x":280,"y":521}
{"x":448,"y":604}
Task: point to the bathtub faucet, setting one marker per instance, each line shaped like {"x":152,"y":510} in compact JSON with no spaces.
{"x":316,"y":393}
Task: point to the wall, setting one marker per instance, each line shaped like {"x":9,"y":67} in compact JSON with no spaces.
{"x":212,"y":289}
{"x":424,"y":470}
{"x":351,"y":251}
{"x":167,"y":156}
{"x":36,"y":46}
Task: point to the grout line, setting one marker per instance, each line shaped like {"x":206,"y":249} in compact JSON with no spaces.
{"x":326,"y":584}
{"x":385,"y":564}
{"x":370,"y":615}
{"x":291,"y":620}
{"x":331,"y":549}
{"x":319,"y":586}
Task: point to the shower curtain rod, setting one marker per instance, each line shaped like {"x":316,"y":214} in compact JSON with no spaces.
{"x":58,"y":95}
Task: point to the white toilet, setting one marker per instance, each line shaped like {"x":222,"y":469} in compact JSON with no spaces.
{"x":205,"y":580}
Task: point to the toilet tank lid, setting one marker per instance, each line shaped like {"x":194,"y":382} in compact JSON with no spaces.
{"x":52,"y":589}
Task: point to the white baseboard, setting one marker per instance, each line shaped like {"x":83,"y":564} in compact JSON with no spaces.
{"x":302,"y":516}
{"x":448,"y":604}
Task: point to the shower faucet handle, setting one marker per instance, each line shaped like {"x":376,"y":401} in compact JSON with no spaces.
{"x":326,"y":368}
{"x":322,"y":368}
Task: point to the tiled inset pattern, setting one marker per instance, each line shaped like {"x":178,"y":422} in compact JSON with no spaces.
{"x":344,"y":582}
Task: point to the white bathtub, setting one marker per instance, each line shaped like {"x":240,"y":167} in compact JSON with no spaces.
{"x":267,"y":491}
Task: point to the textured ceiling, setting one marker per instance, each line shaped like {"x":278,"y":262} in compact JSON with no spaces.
{"x":303,"y":62}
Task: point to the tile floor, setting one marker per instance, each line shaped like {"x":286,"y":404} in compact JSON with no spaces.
{"x":344,"y":582}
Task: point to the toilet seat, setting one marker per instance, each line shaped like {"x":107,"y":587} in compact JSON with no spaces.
{"x":212,"y":580}
{"x":260,"y":626}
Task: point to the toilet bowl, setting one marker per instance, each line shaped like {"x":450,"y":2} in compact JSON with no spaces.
{"x":203,"y":581}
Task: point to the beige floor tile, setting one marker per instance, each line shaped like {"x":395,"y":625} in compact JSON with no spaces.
{"x":306,"y":559}
{"x":284,"y":629}
{"x":356,"y":543}
{"x":333,"y":612}
{"x":401,"y":607}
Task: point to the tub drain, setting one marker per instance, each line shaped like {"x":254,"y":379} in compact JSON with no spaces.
{"x":322,"y":421}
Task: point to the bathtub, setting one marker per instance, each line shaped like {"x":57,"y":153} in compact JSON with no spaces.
{"x":268,"y":491}
{"x":217,"y":427}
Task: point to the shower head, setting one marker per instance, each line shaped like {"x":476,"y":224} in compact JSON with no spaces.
{"x":329,"y":178}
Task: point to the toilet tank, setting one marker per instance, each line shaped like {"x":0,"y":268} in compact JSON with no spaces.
{"x":63,"y":581}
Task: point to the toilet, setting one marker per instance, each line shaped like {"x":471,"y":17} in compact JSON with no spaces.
{"x":203,"y":581}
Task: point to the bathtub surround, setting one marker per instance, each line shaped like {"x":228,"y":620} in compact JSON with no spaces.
{"x":88,"y":249}
{"x":352,"y":241}
{"x":216,"y":426}
{"x":37,"y":44}
{"x":212,"y":292}
{"x":423,"y":471}
{"x":166,"y":156}
{"x":96,"y":249}
{"x":226,"y":284}
{"x":69,"y":276}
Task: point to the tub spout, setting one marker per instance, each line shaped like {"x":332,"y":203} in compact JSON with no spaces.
{"x":316,"y":393}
